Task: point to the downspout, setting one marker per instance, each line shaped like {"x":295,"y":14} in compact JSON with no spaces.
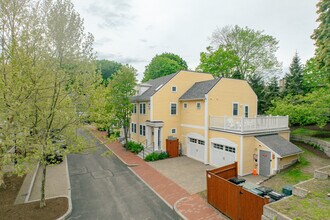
{"x":206,"y":129}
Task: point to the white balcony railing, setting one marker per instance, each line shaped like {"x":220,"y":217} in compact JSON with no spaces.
{"x":244,"y":125}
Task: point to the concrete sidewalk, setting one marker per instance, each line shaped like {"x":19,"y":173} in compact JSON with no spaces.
{"x":186,"y":205}
{"x":56,"y":182}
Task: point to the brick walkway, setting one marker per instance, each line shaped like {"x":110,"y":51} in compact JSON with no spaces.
{"x":189,"y":206}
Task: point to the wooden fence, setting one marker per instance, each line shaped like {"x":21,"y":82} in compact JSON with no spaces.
{"x":231,"y":199}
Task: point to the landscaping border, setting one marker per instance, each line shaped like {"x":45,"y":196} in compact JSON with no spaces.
{"x":324,"y":145}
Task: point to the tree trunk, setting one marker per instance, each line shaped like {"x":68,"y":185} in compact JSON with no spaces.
{"x":126,"y":138}
{"x":108,"y":132}
{"x":2,"y":180}
{"x":43,"y":185}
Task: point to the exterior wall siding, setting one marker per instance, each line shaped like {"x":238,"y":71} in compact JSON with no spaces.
{"x":228,"y":91}
{"x":162,"y":99}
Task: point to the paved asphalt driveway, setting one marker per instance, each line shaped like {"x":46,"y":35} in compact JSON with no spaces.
{"x":104,"y":188}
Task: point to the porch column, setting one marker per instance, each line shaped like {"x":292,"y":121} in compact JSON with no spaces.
{"x":156,"y":138}
{"x":149,"y":132}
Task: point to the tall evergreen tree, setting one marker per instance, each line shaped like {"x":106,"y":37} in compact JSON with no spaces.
{"x":258,"y":85}
{"x":272,"y":92}
{"x":321,"y":36}
{"x":294,"y":79}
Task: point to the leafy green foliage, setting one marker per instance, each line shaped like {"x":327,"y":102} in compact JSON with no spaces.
{"x":313,"y":108}
{"x":107,"y":68}
{"x":313,"y":77}
{"x":254,"y":49}
{"x":47,"y":71}
{"x":294,"y":79}
{"x":121,"y":89}
{"x":321,"y":36}
{"x":156,"y":156}
{"x":162,"y":65}
{"x":134,"y":147}
{"x":221,"y":63}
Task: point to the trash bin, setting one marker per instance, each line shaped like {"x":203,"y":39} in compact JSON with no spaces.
{"x":287,"y":190}
{"x":237,"y":180}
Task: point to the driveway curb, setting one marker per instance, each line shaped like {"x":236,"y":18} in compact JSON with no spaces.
{"x":69,"y":211}
{"x":177,"y":210}
{"x":32,"y":183}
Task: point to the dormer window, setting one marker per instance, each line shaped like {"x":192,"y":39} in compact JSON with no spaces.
{"x":173,"y":88}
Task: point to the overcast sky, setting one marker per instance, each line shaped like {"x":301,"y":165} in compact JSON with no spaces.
{"x":134,"y":31}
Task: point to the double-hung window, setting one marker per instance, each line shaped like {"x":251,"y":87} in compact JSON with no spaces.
{"x":173,"y":108}
{"x":142,"y":108}
{"x":235,"y":109}
{"x":134,"y":109}
{"x":246,"y":111}
{"x":142,"y":130}
{"x":133,"y":128}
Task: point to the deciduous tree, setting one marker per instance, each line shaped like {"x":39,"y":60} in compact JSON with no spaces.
{"x":47,"y":73}
{"x":121,"y":89}
{"x":254,"y":49}
{"x":220,"y":63}
{"x":162,"y":65}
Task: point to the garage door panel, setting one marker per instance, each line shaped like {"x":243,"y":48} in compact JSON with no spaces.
{"x":195,"y":148}
{"x":222,"y":155}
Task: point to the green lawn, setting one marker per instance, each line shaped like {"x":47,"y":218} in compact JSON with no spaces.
{"x":324,"y":135}
{"x":315,"y":205}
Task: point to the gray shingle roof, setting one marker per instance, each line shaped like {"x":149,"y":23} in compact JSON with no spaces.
{"x":279,"y":145}
{"x":199,"y":89}
{"x":155,"y":83}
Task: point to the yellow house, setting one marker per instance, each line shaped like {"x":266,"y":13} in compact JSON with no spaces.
{"x":215,"y":120}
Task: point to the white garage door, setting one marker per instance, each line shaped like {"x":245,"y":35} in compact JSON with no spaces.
{"x":222,"y":153}
{"x":195,"y":148}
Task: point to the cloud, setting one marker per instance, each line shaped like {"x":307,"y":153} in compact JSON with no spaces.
{"x":102,"y":41}
{"x":119,"y":58}
{"x":112,"y":13}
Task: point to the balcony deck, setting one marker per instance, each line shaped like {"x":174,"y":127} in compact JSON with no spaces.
{"x":249,"y":125}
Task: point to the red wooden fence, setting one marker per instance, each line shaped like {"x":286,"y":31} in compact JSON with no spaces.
{"x":231,"y":199}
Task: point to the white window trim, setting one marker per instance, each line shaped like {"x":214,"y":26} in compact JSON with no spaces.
{"x":200,"y":104}
{"x":133,"y":123}
{"x":145,"y":108}
{"x":232,"y":109}
{"x":176,"y":104}
{"x":172,"y":130}
{"x":145,"y":130}
{"x":134,"y":107}
{"x":245,"y":111}
{"x":176,"y":89}
{"x":184,"y":104}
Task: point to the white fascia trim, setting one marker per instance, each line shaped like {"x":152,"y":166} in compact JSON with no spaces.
{"x":193,"y":126}
{"x":206,"y":130}
{"x":241,"y":157}
{"x":151,"y":108}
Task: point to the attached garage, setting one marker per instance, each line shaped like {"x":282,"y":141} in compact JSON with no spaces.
{"x":222,"y":152}
{"x":196,"y":146}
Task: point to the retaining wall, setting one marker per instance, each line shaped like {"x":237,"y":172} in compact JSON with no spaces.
{"x":324,"y":145}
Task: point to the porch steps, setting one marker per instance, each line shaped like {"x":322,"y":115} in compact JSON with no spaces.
{"x":146,"y":152}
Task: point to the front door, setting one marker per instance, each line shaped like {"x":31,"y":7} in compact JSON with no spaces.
{"x":264,"y":163}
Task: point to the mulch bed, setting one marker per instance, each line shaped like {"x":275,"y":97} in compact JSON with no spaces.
{"x":310,"y":148}
{"x":54,"y":209}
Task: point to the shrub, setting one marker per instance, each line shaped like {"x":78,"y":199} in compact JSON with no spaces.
{"x":134,"y":147}
{"x":156,"y":156}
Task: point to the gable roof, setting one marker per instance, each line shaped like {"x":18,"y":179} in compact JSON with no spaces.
{"x":199,"y":89}
{"x":155,"y":85}
{"x":279,"y":145}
